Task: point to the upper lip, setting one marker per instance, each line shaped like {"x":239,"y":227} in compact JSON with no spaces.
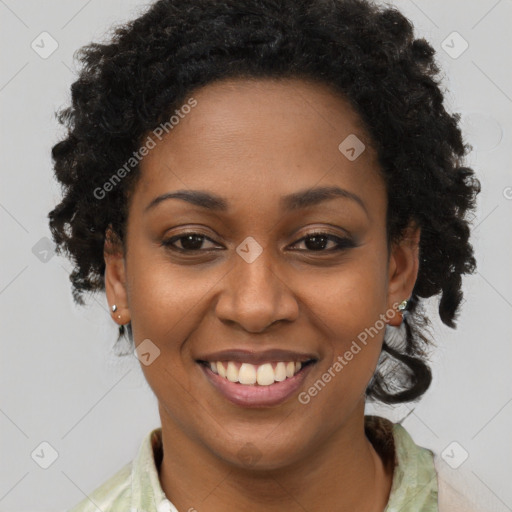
{"x":256,"y":357}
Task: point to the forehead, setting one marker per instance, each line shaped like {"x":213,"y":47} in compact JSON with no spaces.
{"x":262,"y":137}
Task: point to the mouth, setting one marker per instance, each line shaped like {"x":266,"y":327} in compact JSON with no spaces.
{"x":256,"y":385}
{"x":249,"y":374}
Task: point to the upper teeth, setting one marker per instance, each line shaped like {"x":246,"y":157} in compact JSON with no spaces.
{"x":264,"y":374}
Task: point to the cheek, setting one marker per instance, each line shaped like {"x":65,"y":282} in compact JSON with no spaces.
{"x":350,"y":298}
{"x":349,"y":311}
{"x":164,"y":296}
{"x":163,"y":306}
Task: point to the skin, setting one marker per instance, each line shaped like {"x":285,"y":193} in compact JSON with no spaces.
{"x":253,"y":142}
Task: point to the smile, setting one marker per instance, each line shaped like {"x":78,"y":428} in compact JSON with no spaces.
{"x":256,"y":385}
{"x":250,"y":374}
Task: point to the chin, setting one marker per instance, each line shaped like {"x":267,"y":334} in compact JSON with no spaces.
{"x":260,"y":454}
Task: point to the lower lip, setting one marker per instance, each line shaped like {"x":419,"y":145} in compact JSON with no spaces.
{"x":256,"y":396}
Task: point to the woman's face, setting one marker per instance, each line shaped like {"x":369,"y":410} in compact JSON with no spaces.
{"x":253,"y":281}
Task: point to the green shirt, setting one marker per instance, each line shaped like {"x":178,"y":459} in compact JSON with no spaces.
{"x":136,"y":487}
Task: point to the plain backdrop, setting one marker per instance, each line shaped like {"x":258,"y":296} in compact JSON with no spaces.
{"x":69,"y":403}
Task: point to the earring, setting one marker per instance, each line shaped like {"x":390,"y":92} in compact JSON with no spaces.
{"x":114,"y":309}
{"x":402,"y":305}
{"x":396,"y":320}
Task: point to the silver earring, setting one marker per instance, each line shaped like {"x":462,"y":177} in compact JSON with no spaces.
{"x":402,"y":305}
{"x":114,"y":308}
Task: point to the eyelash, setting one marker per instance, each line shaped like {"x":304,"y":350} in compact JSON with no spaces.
{"x":342,"y":243}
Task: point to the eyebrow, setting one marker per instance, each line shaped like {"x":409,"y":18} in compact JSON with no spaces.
{"x":292,"y":202}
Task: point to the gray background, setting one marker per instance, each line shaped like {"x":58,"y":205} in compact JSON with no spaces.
{"x":61,"y":382}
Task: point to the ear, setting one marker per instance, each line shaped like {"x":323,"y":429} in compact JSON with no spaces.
{"x":115,"y":278}
{"x":403,"y":270}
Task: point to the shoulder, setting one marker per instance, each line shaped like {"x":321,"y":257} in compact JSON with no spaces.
{"x":422,"y":480}
{"x":458,"y":492}
{"x":113,"y":495}
{"x":455,"y":488}
{"x":134,"y":486}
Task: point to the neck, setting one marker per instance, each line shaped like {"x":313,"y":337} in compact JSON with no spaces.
{"x":343,"y":474}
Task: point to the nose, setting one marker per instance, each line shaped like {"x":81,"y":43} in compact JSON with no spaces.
{"x":256,"y":295}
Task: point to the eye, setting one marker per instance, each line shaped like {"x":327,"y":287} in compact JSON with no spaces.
{"x":317,"y":242}
{"x":190,"y":242}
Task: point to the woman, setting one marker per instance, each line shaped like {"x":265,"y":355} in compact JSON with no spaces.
{"x":266,"y":191}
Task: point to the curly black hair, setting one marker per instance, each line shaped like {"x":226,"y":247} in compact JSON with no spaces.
{"x":366,"y":52}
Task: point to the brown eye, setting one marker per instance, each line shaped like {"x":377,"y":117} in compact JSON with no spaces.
{"x":317,"y":242}
{"x":190,"y":242}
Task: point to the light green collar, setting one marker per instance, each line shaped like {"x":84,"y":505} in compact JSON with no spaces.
{"x":414,"y":479}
